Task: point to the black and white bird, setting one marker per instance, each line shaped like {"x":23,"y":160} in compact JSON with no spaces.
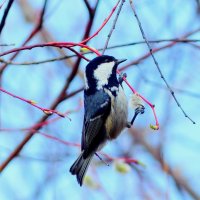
{"x":106,"y":110}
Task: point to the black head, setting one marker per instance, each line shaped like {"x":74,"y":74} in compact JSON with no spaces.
{"x":101,"y":72}
{"x":93,"y":64}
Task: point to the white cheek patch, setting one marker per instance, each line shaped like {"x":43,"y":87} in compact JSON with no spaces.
{"x":102,"y":73}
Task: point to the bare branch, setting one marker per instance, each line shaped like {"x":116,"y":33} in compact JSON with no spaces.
{"x":190,"y":41}
{"x":61,"y":97}
{"x":32,"y":34}
{"x":157,"y":65}
{"x":113,"y":26}
{"x":3,"y":21}
{"x":178,"y":177}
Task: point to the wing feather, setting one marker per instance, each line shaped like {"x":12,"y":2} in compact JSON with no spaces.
{"x":97,"y":109}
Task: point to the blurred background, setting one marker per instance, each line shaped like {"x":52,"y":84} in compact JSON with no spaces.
{"x":37,"y":150}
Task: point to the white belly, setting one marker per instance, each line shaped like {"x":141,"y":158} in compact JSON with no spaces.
{"x":117,"y":119}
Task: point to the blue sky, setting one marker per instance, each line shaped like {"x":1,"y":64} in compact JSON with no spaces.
{"x":41,"y":169}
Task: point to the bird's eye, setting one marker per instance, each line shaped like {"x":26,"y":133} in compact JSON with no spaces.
{"x":106,"y":60}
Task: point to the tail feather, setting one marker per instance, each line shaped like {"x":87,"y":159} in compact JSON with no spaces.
{"x":80,"y":166}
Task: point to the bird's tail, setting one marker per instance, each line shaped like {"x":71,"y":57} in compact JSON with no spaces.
{"x":80,"y":166}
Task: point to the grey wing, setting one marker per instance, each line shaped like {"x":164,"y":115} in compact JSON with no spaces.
{"x":97,"y":109}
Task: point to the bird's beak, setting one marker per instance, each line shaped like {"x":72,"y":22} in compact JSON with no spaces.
{"x":120,"y":61}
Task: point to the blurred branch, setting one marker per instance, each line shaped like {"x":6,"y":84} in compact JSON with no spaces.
{"x":61,"y":97}
{"x":3,"y":20}
{"x":198,"y":6}
{"x":5,"y":45}
{"x":1,"y":5}
{"x":46,"y":36}
{"x":33,"y":103}
{"x":67,"y":45}
{"x":31,"y":35}
{"x":37,"y":127}
{"x":177,"y":177}
{"x":52,"y":120}
{"x":191,"y":41}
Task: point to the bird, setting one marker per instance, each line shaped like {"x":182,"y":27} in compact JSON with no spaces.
{"x":105,"y":110}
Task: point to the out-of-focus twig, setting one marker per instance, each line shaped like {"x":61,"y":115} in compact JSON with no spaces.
{"x":198,"y":6}
{"x":62,"y":96}
{"x":52,"y":120}
{"x":67,"y":45}
{"x":3,"y":20}
{"x":36,"y":29}
{"x":65,"y":57}
{"x":177,"y":177}
{"x":33,"y":103}
{"x":45,"y":34}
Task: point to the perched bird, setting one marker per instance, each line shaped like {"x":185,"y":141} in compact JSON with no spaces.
{"x":106,"y":110}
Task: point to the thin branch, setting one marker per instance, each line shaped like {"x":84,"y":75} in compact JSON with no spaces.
{"x":182,"y":91}
{"x":177,"y":177}
{"x":171,"y":44}
{"x":89,"y":52}
{"x":3,"y":21}
{"x":156,"y":63}
{"x":33,"y":103}
{"x":80,"y":55}
{"x":67,"y":45}
{"x":127,"y":160}
{"x":61,"y":97}
{"x":103,"y":24}
{"x":198,"y":6}
{"x":113,"y":26}
{"x":29,"y":15}
{"x":36,"y":29}
{"x":52,"y":120}
{"x":90,"y":10}
{"x":6,"y":45}
{"x":152,"y":106}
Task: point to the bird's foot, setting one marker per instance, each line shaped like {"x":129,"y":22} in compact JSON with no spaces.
{"x":121,"y":77}
{"x":139,"y":110}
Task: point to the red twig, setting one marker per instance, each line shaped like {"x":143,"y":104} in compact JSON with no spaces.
{"x":57,"y":139}
{"x":36,"y":29}
{"x":127,"y":160}
{"x":31,"y":102}
{"x":44,"y":123}
{"x":155,"y":127}
{"x":51,"y":137}
{"x":78,"y":54}
{"x":52,"y":44}
{"x":62,"y":96}
{"x":103,"y":24}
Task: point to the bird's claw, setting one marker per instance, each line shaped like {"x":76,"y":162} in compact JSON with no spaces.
{"x":139,"y":110}
{"x":128,"y":125}
{"x":121,"y":77}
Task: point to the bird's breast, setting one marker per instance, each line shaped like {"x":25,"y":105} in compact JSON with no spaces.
{"x":117,"y":120}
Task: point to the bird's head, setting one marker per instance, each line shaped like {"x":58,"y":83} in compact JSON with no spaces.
{"x":101,"y":72}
